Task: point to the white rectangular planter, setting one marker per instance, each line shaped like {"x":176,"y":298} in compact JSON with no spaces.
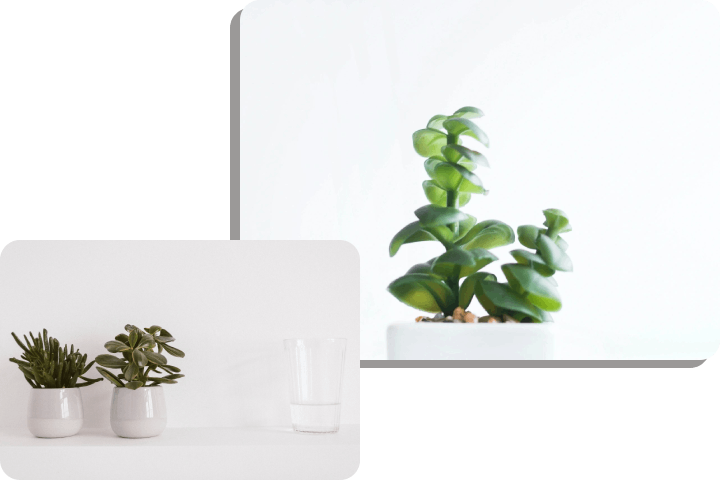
{"x":470,"y":341}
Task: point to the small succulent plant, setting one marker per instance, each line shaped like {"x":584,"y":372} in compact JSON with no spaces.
{"x":139,"y":361}
{"x":531,"y":291}
{"x":434,"y":286}
{"x":45,"y":365}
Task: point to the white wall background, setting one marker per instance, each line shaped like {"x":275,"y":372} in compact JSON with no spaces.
{"x":228,"y":304}
{"x":608,"y":110}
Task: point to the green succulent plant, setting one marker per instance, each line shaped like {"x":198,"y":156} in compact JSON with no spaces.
{"x":531,"y":291}
{"x":434,"y":286}
{"x":139,"y":360}
{"x":45,"y":365}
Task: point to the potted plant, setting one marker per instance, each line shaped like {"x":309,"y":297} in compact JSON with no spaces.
{"x":55,"y":407}
{"x":445,"y":285}
{"x":138,"y":402}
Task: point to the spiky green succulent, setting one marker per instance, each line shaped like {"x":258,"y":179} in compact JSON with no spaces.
{"x":139,"y":363}
{"x":45,"y":365}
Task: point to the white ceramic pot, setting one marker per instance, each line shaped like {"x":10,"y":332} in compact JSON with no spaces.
{"x":55,"y":412}
{"x":470,"y":341}
{"x":138,"y":413}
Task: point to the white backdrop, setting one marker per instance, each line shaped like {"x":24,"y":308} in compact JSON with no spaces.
{"x":228,"y":304}
{"x":608,"y":110}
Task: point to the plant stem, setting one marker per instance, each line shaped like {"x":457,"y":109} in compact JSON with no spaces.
{"x":453,"y":202}
{"x":552,"y":233}
{"x":454,"y":282}
{"x":452,"y":195}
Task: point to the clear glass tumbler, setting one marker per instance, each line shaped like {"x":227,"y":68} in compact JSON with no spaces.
{"x":316,"y":371}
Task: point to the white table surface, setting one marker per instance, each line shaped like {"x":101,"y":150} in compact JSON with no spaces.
{"x":180,"y":453}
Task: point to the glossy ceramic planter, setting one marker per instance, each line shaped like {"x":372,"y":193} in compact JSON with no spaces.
{"x":470,"y":341}
{"x":138,"y":413}
{"x":55,"y":412}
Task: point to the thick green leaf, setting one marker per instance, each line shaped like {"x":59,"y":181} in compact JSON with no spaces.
{"x":163,"y":379}
{"x":17,"y":340}
{"x":463,"y":126}
{"x":553,"y":255}
{"x":110,"y":361}
{"x":436,"y":121}
{"x":536,"y":288}
{"x":162,"y":339}
{"x":130,"y":372}
{"x":468,"y":112}
{"x":175,"y":352}
{"x":545,"y":317}
{"x":494,"y":297}
{"x":428,"y":141}
{"x":134,"y":385}
{"x":433,"y":215}
{"x":557,"y":220}
{"x":464,"y":156}
{"x":561,"y":243}
{"x":438,"y":196}
{"x":410,"y":233}
{"x":464,"y":227}
{"x":153,"y":330}
{"x":451,"y":176}
{"x":156,"y":358}
{"x":146,"y":341}
{"x":469,"y":261}
{"x":139,"y":358}
{"x":424,"y":292}
{"x":467,"y":289}
{"x":487,"y":234}
{"x":113,"y":346}
{"x":129,"y":328}
{"x":133,"y":338}
{"x":165,"y":333}
{"x":425,"y":268}
{"x":527,"y":235}
{"x":110,"y":376}
{"x":169,"y":368}
{"x":533,"y":260}
{"x":122,"y":338}
{"x":174,"y":376}
{"x":431,"y":163}
{"x":88,"y":382}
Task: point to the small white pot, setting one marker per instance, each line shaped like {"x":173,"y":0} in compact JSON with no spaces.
{"x":470,"y":341}
{"x":138,"y":413}
{"x":55,"y":412}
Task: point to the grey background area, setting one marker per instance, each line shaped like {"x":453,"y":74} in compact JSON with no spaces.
{"x":235,"y":127}
{"x":528,"y":420}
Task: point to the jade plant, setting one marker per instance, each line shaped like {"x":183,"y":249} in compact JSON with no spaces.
{"x":435,"y":285}
{"x":45,"y":365}
{"x":531,"y":290}
{"x":139,"y":363}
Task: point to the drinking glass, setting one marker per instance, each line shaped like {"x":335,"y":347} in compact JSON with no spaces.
{"x":316,"y":370}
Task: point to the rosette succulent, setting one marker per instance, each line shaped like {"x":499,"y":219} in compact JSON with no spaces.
{"x":435,"y":285}
{"x":140,"y":365}
{"x":45,"y":365}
